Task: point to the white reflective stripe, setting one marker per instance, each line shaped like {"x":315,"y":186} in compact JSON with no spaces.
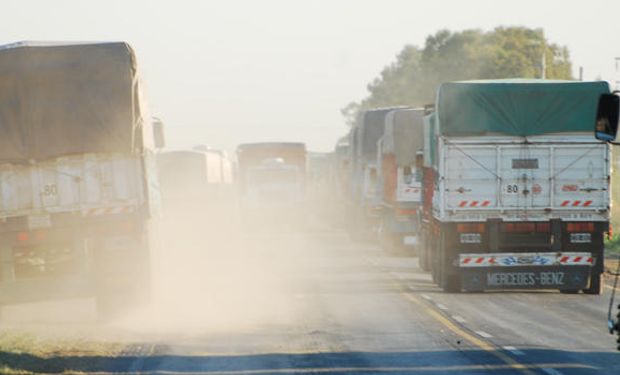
{"x":107,"y":210}
{"x":525,"y":259}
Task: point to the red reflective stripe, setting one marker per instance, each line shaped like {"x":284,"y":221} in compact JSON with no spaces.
{"x":474,"y":203}
{"x":479,"y":260}
{"x":587,"y":203}
{"x":466,"y":260}
{"x":565,"y":203}
{"x":463,"y":204}
{"x":485,"y":203}
{"x":564,"y":259}
{"x":577,"y":259}
{"x":590,"y":260}
{"x":576,"y":203}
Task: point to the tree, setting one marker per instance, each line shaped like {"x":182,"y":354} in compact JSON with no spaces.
{"x":505,"y":52}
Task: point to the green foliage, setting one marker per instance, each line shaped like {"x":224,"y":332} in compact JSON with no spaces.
{"x":612,"y":245}
{"x":505,"y":52}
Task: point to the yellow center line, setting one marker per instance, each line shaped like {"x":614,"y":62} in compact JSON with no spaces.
{"x":473,"y":340}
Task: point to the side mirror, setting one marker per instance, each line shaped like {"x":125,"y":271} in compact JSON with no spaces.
{"x":158,"y":133}
{"x":606,"y":126}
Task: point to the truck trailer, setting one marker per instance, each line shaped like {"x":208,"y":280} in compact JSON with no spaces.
{"x":272,"y":181}
{"x":194,"y":181}
{"x":399,"y":163}
{"x":364,"y":202}
{"x":516,"y":187}
{"x":79,"y":195}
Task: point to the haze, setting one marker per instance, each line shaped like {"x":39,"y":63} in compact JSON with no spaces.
{"x":226,"y":72}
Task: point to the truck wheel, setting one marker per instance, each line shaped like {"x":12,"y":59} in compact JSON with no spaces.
{"x":433,"y":253}
{"x":422,"y":257}
{"x":596,"y":287}
{"x":122,"y":277}
{"x":450,"y":282}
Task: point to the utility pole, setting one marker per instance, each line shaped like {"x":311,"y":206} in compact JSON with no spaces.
{"x":581,"y":73}
{"x":617,"y":77}
{"x":543,"y":65}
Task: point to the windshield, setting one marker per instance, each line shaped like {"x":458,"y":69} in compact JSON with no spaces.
{"x":274,"y":176}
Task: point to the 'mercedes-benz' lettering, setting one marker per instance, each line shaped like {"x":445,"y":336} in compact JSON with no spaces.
{"x":524,"y":279}
{"x":511,"y":279}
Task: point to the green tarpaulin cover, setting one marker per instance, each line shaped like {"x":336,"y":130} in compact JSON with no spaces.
{"x":517,"y":107}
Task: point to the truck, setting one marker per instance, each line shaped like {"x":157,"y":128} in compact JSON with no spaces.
{"x":339,"y":182}
{"x":364,"y":206}
{"x":197,"y":180}
{"x":606,"y":130}
{"x":272,"y":180}
{"x":517,"y":191}
{"x":79,"y":194}
{"x":399,"y":164}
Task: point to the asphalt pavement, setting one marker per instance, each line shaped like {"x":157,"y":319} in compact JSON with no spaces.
{"x":319,"y":303}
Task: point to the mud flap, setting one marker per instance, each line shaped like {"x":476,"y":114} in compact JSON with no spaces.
{"x":532,"y":277}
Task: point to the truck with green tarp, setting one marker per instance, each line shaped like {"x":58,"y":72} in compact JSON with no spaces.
{"x":516,"y":188}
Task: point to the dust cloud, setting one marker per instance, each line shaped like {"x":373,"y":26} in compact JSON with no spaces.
{"x":221,"y":270}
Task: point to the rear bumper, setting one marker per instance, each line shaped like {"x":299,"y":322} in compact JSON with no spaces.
{"x":548,"y":277}
{"x":45,"y":289}
{"x":564,"y":271}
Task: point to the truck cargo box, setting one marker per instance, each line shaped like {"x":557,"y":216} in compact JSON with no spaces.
{"x":49,"y":107}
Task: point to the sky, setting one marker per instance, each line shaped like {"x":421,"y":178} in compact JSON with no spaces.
{"x":225,"y":72}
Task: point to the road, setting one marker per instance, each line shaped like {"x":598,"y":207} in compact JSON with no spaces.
{"x":280,"y":303}
{"x":320,"y":303}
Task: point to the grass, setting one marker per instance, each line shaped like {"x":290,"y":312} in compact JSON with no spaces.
{"x":26,"y":353}
{"x":612,"y":246}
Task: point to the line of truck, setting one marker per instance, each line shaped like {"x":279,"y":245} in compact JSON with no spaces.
{"x":499,"y":184}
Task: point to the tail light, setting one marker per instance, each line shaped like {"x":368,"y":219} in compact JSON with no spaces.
{"x":22,"y":236}
{"x":406,"y":211}
{"x":470,"y":228}
{"x":580,"y":227}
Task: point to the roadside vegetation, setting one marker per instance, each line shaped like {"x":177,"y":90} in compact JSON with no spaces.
{"x":26,"y":353}
{"x":504,"y":52}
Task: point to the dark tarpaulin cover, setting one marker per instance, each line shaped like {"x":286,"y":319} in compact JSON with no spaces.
{"x":371,"y":128}
{"x":60,"y":99}
{"x":404,"y":135}
{"x":517,"y":107}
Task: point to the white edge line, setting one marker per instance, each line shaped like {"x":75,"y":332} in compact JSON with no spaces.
{"x":442,"y":307}
{"x":513,"y":350}
{"x":551,"y":371}
{"x":459,"y":319}
{"x":426,"y":297}
{"x":484,"y":334}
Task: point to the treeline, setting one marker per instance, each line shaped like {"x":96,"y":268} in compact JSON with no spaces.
{"x":505,"y":52}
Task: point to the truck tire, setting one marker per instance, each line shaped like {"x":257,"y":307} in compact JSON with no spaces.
{"x":596,"y":286}
{"x":433,"y":255}
{"x":449,"y":281}
{"x":422,"y":256}
{"x":425,"y":258}
{"x":122,"y":279}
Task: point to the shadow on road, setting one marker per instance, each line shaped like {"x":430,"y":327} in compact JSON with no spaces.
{"x":470,"y":361}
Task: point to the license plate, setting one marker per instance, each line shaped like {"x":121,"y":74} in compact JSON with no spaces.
{"x":410,"y":240}
{"x":470,"y":238}
{"x":580,"y":238}
{"x":39,"y":221}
